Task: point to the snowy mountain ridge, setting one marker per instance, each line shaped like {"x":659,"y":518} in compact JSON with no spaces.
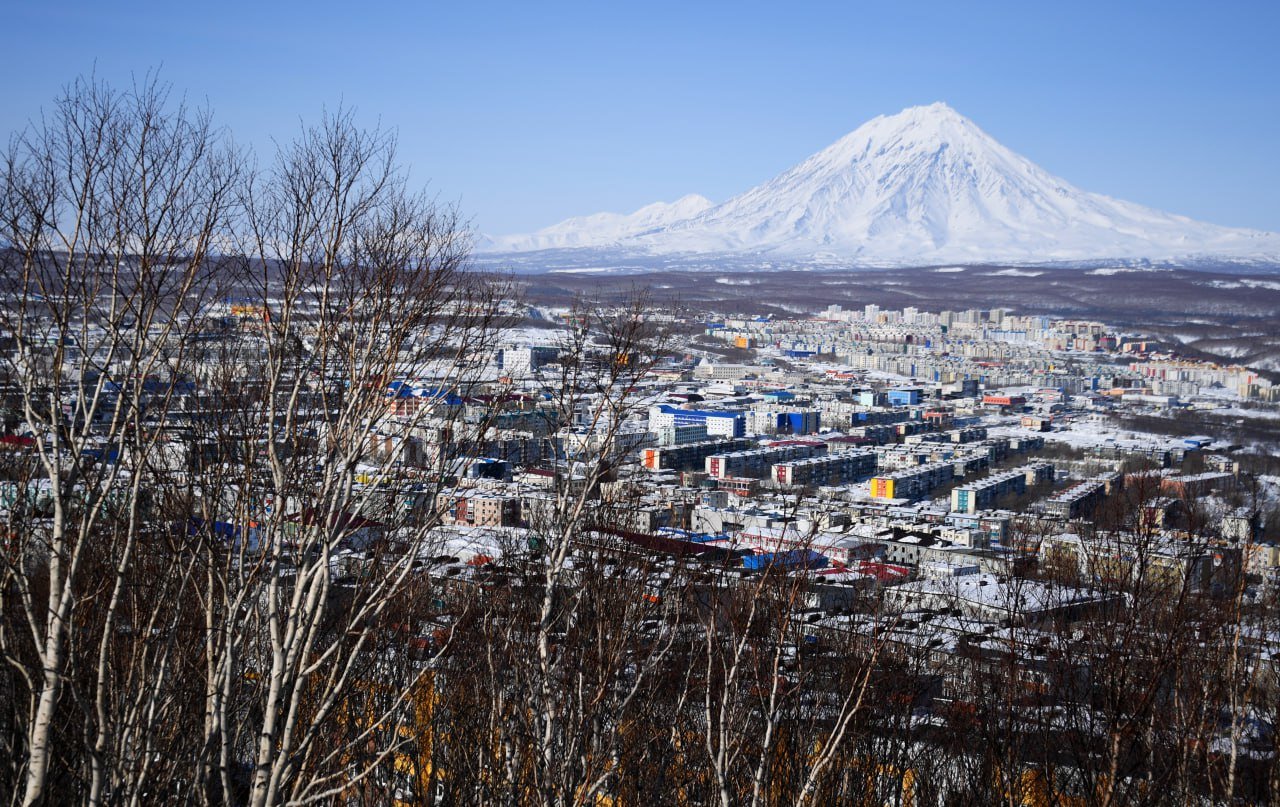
{"x":923,"y":186}
{"x":602,"y":229}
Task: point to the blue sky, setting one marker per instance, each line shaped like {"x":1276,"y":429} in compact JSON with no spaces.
{"x":525,"y":113}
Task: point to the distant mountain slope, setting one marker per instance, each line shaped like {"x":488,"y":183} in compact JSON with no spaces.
{"x":923,"y":186}
{"x":604,"y":229}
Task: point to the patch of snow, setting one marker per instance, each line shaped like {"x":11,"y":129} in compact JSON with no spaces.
{"x":1014,"y":273}
{"x":1122,"y":270}
{"x":1237,"y":412}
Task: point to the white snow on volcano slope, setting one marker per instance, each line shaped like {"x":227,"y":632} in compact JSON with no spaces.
{"x":928,"y":186}
{"x":602,"y":229}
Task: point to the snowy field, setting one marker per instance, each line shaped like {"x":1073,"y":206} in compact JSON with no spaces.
{"x":1081,"y":435}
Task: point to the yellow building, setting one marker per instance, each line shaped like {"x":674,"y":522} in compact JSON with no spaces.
{"x":881,"y":487}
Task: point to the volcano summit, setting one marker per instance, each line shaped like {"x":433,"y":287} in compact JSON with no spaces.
{"x":924,"y":186}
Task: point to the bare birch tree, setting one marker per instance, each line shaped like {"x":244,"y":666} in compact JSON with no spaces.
{"x":111,"y":208}
{"x":356,"y":284}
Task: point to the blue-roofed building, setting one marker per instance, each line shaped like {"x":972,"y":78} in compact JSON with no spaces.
{"x":718,"y":423}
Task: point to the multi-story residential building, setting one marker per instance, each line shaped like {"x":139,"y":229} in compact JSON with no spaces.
{"x":833,"y":469}
{"x":1077,"y":501}
{"x":967,"y":435}
{"x":680,"y":435}
{"x":982,"y":494}
{"x":727,"y":372}
{"x":523,"y":359}
{"x":689,"y":456}
{"x":912,"y":483}
{"x":756,"y":462}
{"x":478,"y":508}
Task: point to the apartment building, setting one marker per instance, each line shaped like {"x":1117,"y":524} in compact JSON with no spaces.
{"x":833,"y":469}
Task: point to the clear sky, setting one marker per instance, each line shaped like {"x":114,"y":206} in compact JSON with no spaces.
{"x":525,"y":113}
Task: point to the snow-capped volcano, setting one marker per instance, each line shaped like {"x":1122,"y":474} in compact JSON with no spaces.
{"x":925,"y":185}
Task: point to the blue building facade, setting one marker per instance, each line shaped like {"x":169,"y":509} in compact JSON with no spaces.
{"x":905,"y":396}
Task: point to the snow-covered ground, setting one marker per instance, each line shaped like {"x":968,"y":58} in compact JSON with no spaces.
{"x":1237,"y":412}
{"x":1084,"y":435}
{"x":549,"y":337}
{"x":601,"y":228}
{"x":1244,"y":282}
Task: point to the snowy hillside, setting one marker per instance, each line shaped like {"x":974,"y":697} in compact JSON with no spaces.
{"x":923,"y":186}
{"x":603,"y":229}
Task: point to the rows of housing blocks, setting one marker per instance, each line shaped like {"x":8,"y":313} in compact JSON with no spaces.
{"x":755,"y":462}
{"x":690,"y":455}
{"x":983,"y":493}
{"x":833,"y":469}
